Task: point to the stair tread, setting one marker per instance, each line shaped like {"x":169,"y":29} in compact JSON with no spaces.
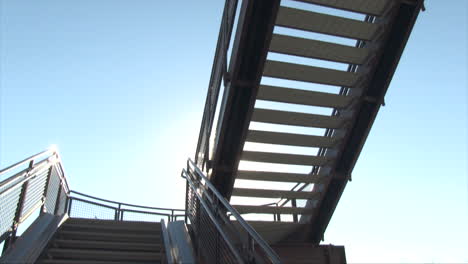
{"x":107,"y":255}
{"x":119,"y":228}
{"x":302,"y":97}
{"x":266,"y":193}
{"x":70,"y":261}
{"x":74,"y":220}
{"x":369,"y":7}
{"x":103,"y":236}
{"x":76,"y":244}
{"x":296,"y":118}
{"x":305,"y":73}
{"x":291,"y":139}
{"x":116,"y":252}
{"x":317,"y":49}
{"x":107,"y":234}
{"x":244,"y":209}
{"x":283,"y":158}
{"x":325,"y":24}
{"x":277,"y":176}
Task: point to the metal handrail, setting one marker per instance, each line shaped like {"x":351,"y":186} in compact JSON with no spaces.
{"x":44,"y":166}
{"x":228,"y":241}
{"x":218,"y":72}
{"x":27,"y":160}
{"x":167,"y":243}
{"x":126,"y":204}
{"x":117,"y":206}
{"x":29,"y":172}
{"x":272,"y":256}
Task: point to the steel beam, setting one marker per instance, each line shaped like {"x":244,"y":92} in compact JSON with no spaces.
{"x":405,"y":17}
{"x":254,"y":31}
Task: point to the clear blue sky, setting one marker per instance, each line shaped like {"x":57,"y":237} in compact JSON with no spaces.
{"x":120,"y":87}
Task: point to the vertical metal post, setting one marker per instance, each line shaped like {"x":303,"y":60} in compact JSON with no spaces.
{"x":57,"y":199}
{"x":66,"y":204}
{"x":294,"y":204}
{"x":278,"y":215}
{"x":69,"y":206}
{"x":186,"y":200}
{"x":197,"y":216}
{"x":46,"y":189}
{"x":251,"y":249}
{"x":117,"y":213}
{"x":16,"y":220}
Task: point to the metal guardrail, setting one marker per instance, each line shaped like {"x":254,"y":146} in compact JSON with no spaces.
{"x":219,"y":73}
{"x":216,"y":237}
{"x":86,"y":206}
{"x":36,"y":182}
{"x":39,"y":183}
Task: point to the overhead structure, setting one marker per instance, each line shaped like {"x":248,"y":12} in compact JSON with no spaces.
{"x":303,"y":86}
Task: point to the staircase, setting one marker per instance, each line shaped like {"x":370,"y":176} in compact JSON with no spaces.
{"x":302,"y":88}
{"x":298,"y":148}
{"x":300,"y":93}
{"x":323,"y":59}
{"x":105,"y":241}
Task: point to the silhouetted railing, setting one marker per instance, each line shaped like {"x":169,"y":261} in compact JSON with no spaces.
{"x":216,"y":237}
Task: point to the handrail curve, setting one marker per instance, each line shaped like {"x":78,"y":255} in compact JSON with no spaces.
{"x":253,"y":235}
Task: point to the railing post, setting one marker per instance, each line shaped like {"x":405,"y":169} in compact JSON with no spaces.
{"x":294,"y":205}
{"x":57,"y":199}
{"x":69,"y":206}
{"x":46,"y":189}
{"x":251,"y":249}
{"x":186,"y":200}
{"x":66,"y":204}
{"x":16,"y":220}
{"x":117,"y":213}
{"x":278,"y":215}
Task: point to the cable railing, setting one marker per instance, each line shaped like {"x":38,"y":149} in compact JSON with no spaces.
{"x":216,"y":237}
